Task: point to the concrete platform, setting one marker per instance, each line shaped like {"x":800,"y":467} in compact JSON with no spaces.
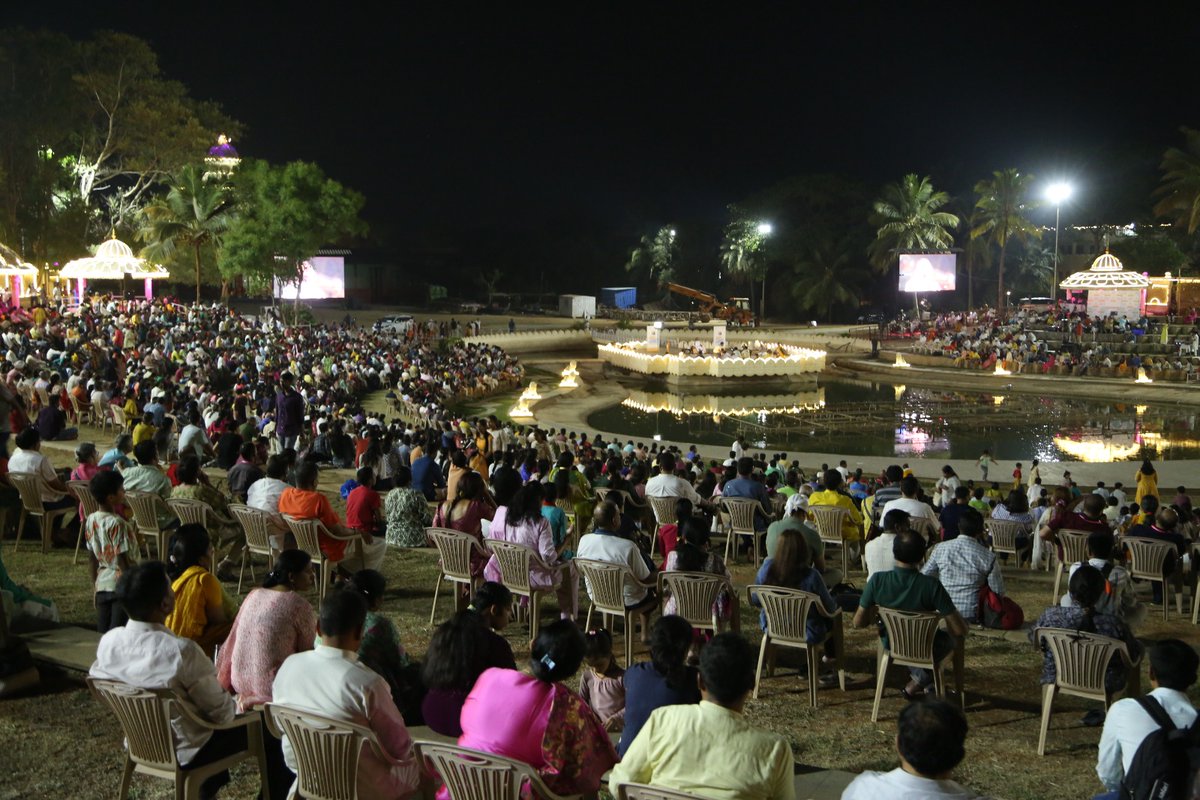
{"x":68,"y":647}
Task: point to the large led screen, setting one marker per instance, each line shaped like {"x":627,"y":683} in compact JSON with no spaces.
{"x":923,"y":272}
{"x":324,"y":279}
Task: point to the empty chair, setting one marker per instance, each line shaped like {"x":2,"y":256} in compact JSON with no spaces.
{"x":741,"y":512}
{"x":29,"y":487}
{"x":475,"y":775}
{"x":910,"y":643}
{"x":787,"y":617}
{"x":696,"y":595}
{"x":454,"y":555}
{"x":145,"y":718}
{"x":829,"y":521}
{"x":256,"y":525}
{"x":1148,"y":560}
{"x":88,"y":501}
{"x":1081,"y":660}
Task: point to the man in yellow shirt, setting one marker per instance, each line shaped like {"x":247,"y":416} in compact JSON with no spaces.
{"x":852,"y":523}
{"x":710,"y":749}
{"x":144,"y":431}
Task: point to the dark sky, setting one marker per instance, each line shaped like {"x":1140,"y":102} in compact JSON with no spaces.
{"x":619,"y":117}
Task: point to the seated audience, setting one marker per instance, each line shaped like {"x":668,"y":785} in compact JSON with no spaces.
{"x":604,"y":544}
{"x":273,"y":623}
{"x":1119,"y":597}
{"x":203,"y":612}
{"x":964,"y":564}
{"x":695,"y":554}
{"x":522,"y":523}
{"x":364,"y":516}
{"x":460,"y":650}
{"x":710,"y":749}
{"x":381,"y":649}
{"x":28,"y":458}
{"x":878,"y":552}
{"x":145,"y":654}
{"x":406,"y":511}
{"x":602,"y":686}
{"x":796,"y":517}
{"x":852,"y":529}
{"x":332,"y":682}
{"x":665,"y":680}
{"x":305,"y":502}
{"x":931,"y":743}
{"x":465,"y":512}
{"x":905,"y":588}
{"x":789,"y":569}
{"x":537,"y":719}
{"x":244,"y":473}
{"x":194,"y":485}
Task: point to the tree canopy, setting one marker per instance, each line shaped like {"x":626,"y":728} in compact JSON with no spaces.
{"x":1002,"y":209}
{"x":907,"y":217}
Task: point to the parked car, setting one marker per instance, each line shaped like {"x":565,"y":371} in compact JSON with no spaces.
{"x":1039,"y":304}
{"x":399,"y":323}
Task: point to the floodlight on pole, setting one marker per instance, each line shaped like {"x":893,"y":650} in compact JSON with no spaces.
{"x":1057,"y":193}
{"x":765,"y":228}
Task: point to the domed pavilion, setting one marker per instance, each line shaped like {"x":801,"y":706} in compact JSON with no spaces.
{"x":1111,"y":289}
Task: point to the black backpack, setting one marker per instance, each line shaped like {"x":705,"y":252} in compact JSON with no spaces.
{"x":1165,"y":761}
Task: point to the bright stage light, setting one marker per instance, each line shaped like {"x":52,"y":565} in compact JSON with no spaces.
{"x":765,"y":228}
{"x":1058,"y":193}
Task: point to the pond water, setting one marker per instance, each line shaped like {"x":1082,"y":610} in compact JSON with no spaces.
{"x":873,"y":419}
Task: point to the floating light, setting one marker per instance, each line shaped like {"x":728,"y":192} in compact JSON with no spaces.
{"x":530,"y":393}
{"x":1143,"y":377}
{"x":570,"y":377}
{"x":900,"y":362}
{"x":1000,"y":370}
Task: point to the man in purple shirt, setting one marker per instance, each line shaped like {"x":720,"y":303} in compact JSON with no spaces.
{"x":289,"y":405}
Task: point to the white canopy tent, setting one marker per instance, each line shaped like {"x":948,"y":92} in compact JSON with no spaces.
{"x":114,"y":261}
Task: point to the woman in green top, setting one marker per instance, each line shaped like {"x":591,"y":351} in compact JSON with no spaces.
{"x":582,"y":496}
{"x":407,"y":512}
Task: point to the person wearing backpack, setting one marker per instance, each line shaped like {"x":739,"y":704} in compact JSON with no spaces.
{"x":1133,"y":747}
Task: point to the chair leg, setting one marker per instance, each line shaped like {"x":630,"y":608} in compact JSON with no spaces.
{"x":1058,"y":573}
{"x":533,"y":615}
{"x":811,"y":656}
{"x":1048,"y":692}
{"x":20,"y":528}
{"x":126,"y":777}
{"x":628,"y":640}
{"x":78,"y":542}
{"x":654,"y":540}
{"x":591,"y":608}
{"x":45,"y":527}
{"x":880,"y":679}
{"x":436,"y":589}
{"x":242,"y":570}
{"x":762,"y":654}
{"x":1195,"y":602}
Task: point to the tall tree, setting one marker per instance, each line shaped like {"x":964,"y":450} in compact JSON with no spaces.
{"x":827,"y":277}
{"x":977,"y":255}
{"x":741,"y":252}
{"x":192,"y":214}
{"x":655,"y":256}
{"x":1003,"y":205}
{"x":907,"y":217}
{"x":1180,"y":188}
{"x":285,"y":214}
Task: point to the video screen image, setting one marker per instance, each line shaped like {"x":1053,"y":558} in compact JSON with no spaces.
{"x":924,"y":272}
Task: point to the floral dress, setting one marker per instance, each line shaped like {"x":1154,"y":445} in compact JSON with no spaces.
{"x":407,"y":514}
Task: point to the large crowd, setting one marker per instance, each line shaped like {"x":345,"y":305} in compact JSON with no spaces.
{"x":273,"y":406}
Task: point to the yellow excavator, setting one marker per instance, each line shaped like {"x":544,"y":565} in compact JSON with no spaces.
{"x":737,"y":310}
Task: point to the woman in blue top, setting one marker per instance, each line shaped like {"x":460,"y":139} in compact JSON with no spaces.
{"x":790,"y":569}
{"x":556,"y":517}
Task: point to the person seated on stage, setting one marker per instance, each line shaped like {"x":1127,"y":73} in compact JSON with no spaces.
{"x":930,"y":742}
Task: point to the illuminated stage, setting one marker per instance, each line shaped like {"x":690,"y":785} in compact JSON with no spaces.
{"x":773,"y":362}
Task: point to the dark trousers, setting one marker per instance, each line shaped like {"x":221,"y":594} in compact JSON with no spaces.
{"x":943,"y":645}
{"x":109,"y":613}
{"x":224,"y":743}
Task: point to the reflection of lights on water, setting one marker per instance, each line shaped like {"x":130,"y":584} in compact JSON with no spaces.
{"x":900,"y":390}
{"x":900,"y":362}
{"x":1094,"y":451}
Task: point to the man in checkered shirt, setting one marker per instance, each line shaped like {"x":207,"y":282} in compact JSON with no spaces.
{"x":964,"y":563}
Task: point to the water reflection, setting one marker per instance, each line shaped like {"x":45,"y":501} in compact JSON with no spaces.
{"x":864,"y":418}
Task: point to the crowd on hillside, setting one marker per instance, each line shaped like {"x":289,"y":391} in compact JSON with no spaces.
{"x":272,"y":406}
{"x":1017,"y":341}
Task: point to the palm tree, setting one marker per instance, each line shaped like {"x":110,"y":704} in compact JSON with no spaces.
{"x":656,"y":255}
{"x":1180,"y":189}
{"x":977,"y":253}
{"x":1002,"y":207}
{"x":826,"y":277}
{"x":192,"y":214}
{"x":907,"y":218}
{"x":741,"y":254}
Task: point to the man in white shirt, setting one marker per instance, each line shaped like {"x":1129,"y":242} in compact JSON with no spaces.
{"x":145,"y":654}
{"x":264,"y":493}
{"x":1173,"y":666}
{"x":28,"y":458}
{"x":667,"y":484}
{"x":930,"y":742}
{"x":1118,"y":493}
{"x":910,"y":487}
{"x":604,"y":544}
{"x":332,"y":682}
{"x":878,"y":551}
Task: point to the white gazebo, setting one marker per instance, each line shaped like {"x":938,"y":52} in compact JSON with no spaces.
{"x":18,"y":270}
{"x":114,"y":261}
{"x":1110,"y":288}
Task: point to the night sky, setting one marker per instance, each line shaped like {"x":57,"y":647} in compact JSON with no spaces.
{"x":458,"y":120}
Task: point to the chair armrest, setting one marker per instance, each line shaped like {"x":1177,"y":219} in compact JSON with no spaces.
{"x":240,"y":720}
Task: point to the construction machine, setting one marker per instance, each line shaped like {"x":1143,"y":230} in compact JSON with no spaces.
{"x":737,"y":310}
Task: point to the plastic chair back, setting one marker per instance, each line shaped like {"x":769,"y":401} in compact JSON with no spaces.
{"x":1148,"y":557}
{"x":1004,"y":533}
{"x":29,"y":487}
{"x":695,"y":595}
{"x":305,"y":533}
{"x":828,"y":520}
{"x":326,"y":751}
{"x":145,"y":718}
{"x":255,"y":524}
{"x":1080,"y":659}
{"x":741,"y":513}
{"x":925,"y":527}
{"x":475,"y":775}
{"x":1074,"y":545}
{"x":663,"y":508}
{"x":910,"y":636}
{"x":191,"y":512}
{"x":86,"y":498}
{"x":454,"y":548}
{"x":605,"y":583}
{"x":514,"y":561}
{"x":786,"y":611}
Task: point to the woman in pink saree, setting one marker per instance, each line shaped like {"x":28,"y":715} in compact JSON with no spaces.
{"x":521,"y":522}
{"x":538,"y":720}
{"x":466,"y":511}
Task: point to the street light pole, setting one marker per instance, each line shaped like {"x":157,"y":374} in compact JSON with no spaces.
{"x":1056,"y":193}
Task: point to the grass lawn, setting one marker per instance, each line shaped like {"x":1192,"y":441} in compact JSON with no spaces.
{"x":59,"y":743}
